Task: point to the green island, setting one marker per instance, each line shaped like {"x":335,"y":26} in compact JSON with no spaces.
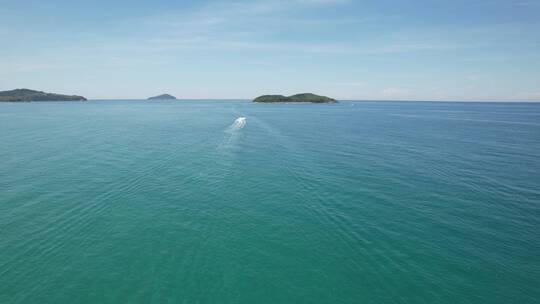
{"x":162,"y":97}
{"x":305,"y":97}
{"x":32,"y":95}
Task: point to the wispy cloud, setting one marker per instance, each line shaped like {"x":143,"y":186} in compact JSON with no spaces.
{"x":396,"y":93}
{"x":326,"y":2}
{"x":267,"y":26}
{"x":10,"y":67}
{"x":527,"y":96}
{"x":525,"y":3}
{"x":349,"y":84}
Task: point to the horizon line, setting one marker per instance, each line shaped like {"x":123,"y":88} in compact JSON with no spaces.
{"x":347,"y":100}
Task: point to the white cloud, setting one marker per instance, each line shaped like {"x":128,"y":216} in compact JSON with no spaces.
{"x":349,"y":84}
{"x":396,"y":93}
{"x":528,"y":95}
{"x":323,"y":1}
{"x":261,"y":25}
{"x":31,"y":67}
{"x":246,"y":26}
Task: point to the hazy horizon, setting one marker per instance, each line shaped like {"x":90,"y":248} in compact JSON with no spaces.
{"x":349,"y":50}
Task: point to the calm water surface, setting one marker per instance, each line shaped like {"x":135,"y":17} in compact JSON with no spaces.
{"x":358,"y":202}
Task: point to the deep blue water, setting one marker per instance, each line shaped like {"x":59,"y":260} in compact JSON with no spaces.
{"x":356,"y":202}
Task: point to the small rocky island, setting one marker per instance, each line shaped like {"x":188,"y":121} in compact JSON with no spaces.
{"x":18,"y":95}
{"x":163,"y":97}
{"x":305,"y":97}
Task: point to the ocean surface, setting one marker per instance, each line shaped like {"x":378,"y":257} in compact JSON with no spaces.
{"x":356,"y":202}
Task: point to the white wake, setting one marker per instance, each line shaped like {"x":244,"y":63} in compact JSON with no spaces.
{"x":232,"y":135}
{"x":238,"y":124}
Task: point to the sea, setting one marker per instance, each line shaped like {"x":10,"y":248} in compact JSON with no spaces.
{"x":229,"y":201}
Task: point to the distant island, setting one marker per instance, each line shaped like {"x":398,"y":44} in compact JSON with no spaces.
{"x":162,"y":97}
{"x":305,"y":97}
{"x":31,"y":95}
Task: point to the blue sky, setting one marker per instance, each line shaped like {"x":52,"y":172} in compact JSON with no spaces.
{"x":413,"y":50}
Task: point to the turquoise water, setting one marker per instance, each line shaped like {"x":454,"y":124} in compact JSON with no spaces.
{"x":357,"y":202}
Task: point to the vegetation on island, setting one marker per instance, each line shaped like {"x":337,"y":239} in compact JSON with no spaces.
{"x":305,"y":97}
{"x":32,"y":95}
{"x":162,"y":97}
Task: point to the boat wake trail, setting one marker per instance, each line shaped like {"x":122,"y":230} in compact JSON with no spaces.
{"x":232,"y":134}
{"x":237,"y":125}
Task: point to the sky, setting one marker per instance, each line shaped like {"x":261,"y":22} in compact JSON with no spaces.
{"x":346,"y":49}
